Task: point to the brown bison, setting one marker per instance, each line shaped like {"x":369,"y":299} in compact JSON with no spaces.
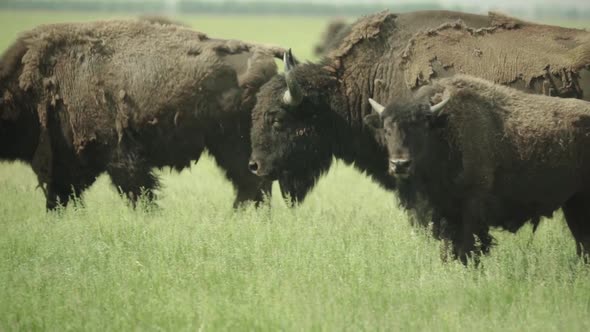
{"x":490,"y":156}
{"x":313,"y":113}
{"x":123,"y":97}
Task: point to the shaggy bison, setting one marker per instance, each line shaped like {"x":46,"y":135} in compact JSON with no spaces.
{"x":125,"y":97}
{"x":315,"y":111}
{"x":490,"y":156}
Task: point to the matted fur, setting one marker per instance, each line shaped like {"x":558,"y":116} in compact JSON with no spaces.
{"x":506,"y":53}
{"x":126,"y":96}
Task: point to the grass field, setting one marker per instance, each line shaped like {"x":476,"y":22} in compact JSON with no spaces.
{"x":347,"y":259}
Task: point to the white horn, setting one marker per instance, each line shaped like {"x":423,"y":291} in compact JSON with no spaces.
{"x":376,"y":106}
{"x":438,"y":107}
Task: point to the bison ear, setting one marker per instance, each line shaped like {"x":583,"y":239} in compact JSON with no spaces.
{"x":293,"y":96}
{"x":376,"y":106}
{"x":438,"y":108}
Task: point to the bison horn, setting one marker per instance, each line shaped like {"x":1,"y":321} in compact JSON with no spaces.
{"x":376,"y":106}
{"x":289,"y":61}
{"x":293,"y":96}
{"x":438,"y":107}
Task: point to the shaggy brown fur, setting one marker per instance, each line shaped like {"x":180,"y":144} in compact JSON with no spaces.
{"x":495,"y":156}
{"x":298,"y":142}
{"x":545,"y":57}
{"x":124,"y":97}
{"x":331,"y":38}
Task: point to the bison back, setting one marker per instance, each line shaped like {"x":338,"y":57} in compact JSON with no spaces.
{"x":532,"y":57}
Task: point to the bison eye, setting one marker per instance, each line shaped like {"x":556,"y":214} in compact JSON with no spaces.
{"x":276,"y":124}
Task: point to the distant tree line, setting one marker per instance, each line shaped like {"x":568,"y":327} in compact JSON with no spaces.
{"x":257,"y":8}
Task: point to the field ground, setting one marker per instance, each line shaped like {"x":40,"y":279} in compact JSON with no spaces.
{"x":347,"y":259}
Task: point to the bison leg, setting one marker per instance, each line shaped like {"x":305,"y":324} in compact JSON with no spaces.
{"x":134,"y":184}
{"x":133,"y":179}
{"x":577,"y":216}
{"x":473,"y":229}
{"x":249,"y":187}
{"x":59,"y":194}
{"x":231,"y":150}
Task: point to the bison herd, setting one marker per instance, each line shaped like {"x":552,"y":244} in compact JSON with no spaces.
{"x":436,"y":106}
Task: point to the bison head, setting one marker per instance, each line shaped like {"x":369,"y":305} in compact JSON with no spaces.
{"x":292,"y":125}
{"x":407,"y":131}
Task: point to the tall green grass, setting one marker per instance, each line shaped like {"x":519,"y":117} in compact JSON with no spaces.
{"x":347,"y":259}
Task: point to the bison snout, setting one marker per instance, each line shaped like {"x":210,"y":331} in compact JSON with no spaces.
{"x":253,"y":166}
{"x":399,"y":166}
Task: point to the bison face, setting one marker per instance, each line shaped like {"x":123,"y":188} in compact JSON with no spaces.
{"x":291,"y":126}
{"x":406,"y":131}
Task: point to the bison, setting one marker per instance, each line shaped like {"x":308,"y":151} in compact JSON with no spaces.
{"x":490,"y":156}
{"x":315,"y":111}
{"x":124,"y":97}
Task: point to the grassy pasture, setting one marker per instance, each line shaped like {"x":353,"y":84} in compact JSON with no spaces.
{"x":347,"y":259}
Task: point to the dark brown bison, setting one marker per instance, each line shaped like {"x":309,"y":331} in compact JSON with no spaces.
{"x":490,"y":156}
{"x":331,"y":38}
{"x":125,"y":97}
{"x":315,"y":112}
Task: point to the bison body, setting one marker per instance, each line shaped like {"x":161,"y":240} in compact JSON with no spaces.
{"x":491,"y":156}
{"x":315,"y":112}
{"x":125,"y":97}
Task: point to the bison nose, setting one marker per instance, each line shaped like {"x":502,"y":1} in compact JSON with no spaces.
{"x":399,"y":166}
{"x":253,"y":167}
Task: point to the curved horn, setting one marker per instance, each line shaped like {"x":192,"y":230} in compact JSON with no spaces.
{"x":376,"y":106}
{"x":438,"y":107}
{"x":293,"y":96}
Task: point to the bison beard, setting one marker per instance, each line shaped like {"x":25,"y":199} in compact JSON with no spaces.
{"x":124,"y":97}
{"x":491,"y":157}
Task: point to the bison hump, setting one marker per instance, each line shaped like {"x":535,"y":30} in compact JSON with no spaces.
{"x":365,"y":28}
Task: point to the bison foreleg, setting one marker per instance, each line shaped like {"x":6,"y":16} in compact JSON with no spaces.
{"x":249,"y":187}
{"x":134,"y":184}
{"x":132,"y":176}
{"x":59,"y":194}
{"x":472,"y":238}
{"x":577,"y":215}
{"x":231,"y":150}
